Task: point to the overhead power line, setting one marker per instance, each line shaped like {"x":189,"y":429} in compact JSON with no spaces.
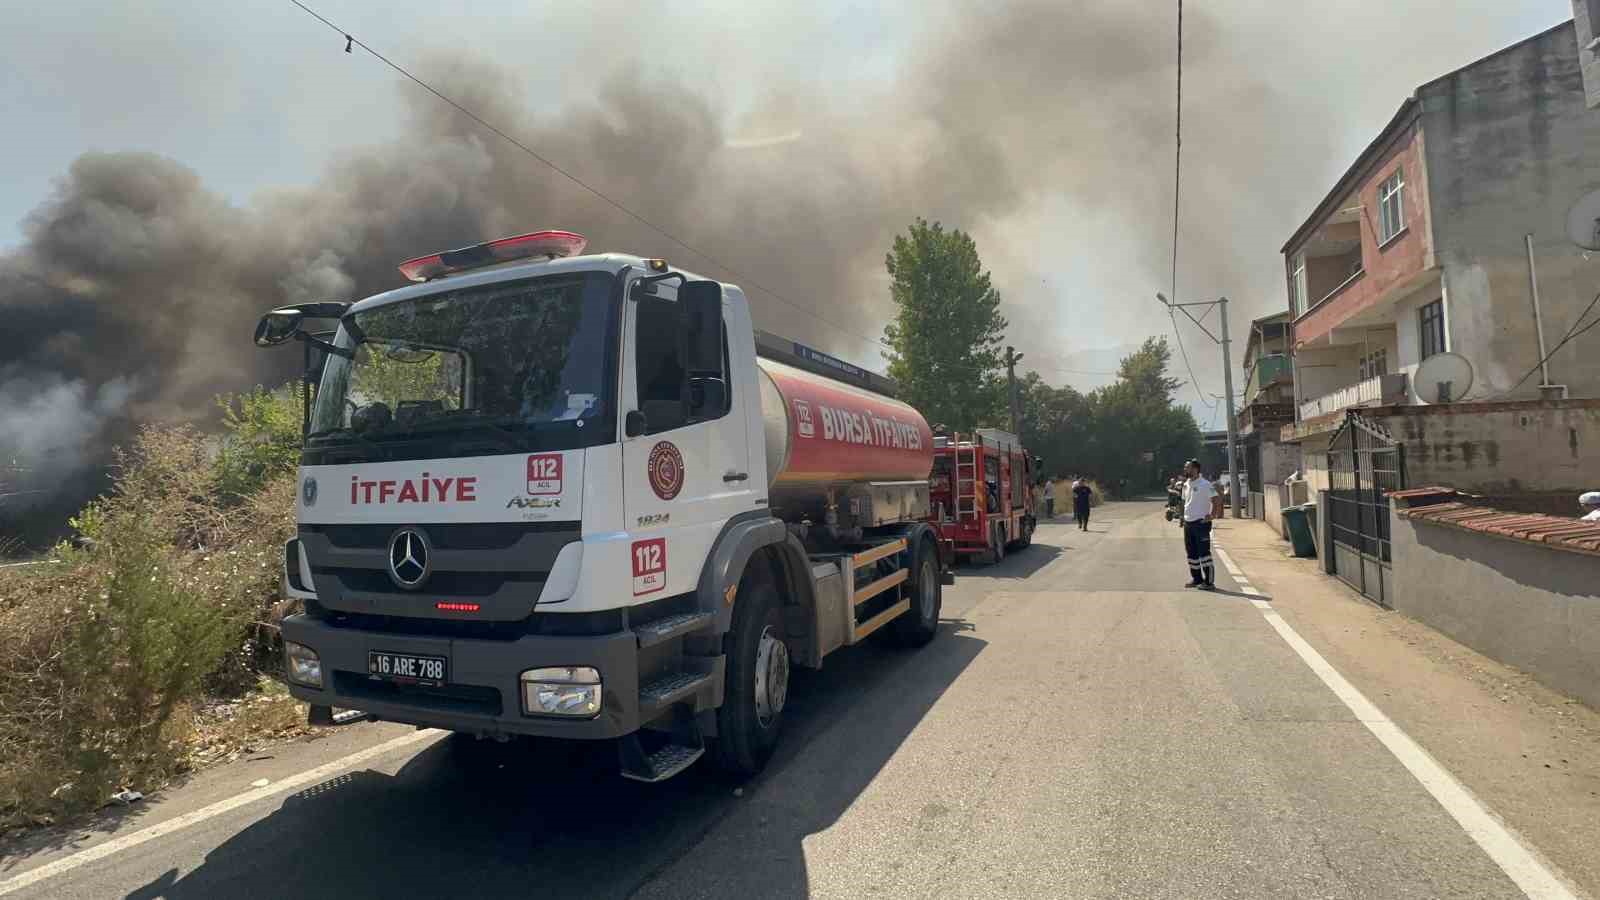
{"x":350,"y":40}
{"x":1177,"y":186}
{"x":1567,"y":338}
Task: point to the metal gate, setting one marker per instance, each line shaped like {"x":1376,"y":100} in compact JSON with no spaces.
{"x":1365,"y":463}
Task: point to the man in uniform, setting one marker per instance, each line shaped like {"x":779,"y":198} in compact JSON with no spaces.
{"x":1199,"y":500}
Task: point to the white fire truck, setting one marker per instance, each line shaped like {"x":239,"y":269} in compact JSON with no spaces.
{"x":579,"y":497}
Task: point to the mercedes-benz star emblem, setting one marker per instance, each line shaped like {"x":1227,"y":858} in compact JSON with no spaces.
{"x":308,"y":490}
{"x":409,"y":561}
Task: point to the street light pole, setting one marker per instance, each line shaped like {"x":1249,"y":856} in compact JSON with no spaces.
{"x":1227,"y":383}
{"x":1012,"y":358}
{"x":1233,"y":430}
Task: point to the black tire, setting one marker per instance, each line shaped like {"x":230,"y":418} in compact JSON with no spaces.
{"x":745,"y":736}
{"x":919,"y":624}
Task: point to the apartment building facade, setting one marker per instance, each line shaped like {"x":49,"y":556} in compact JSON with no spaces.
{"x":1431,"y":243}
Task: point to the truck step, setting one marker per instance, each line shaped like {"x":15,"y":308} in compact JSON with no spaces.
{"x":652,"y":633}
{"x":670,"y":688}
{"x":664,"y":763}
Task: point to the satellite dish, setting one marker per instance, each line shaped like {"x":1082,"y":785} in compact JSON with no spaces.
{"x":1583,"y":222}
{"x":1443,"y":378}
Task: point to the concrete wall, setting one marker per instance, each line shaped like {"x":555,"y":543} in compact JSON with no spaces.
{"x":1314,"y":461}
{"x":1588,"y":29}
{"x":1510,"y":145}
{"x":1527,"y":605}
{"x":1273,"y":512}
{"x":1278,"y":461}
{"x":1499,"y":448}
{"x":1324,"y":370}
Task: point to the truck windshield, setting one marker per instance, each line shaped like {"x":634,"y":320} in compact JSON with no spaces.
{"x":500,"y":369}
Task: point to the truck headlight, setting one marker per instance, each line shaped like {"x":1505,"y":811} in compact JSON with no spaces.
{"x":561,"y":691}
{"x":302,"y":664}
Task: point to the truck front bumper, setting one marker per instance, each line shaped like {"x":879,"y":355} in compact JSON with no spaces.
{"x":484,"y":692}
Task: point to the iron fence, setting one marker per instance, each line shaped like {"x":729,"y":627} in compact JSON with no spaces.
{"x":1365,"y":463}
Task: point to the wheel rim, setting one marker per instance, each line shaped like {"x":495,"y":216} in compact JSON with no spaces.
{"x":772,"y":677}
{"x":927,"y":591}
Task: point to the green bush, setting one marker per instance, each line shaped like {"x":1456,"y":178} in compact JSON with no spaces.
{"x":262,"y":438}
{"x":107,"y":649}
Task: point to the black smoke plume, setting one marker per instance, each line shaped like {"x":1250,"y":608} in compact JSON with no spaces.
{"x":133,"y":294}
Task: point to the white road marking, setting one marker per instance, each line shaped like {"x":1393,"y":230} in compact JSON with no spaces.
{"x":178,"y":823}
{"x":1536,"y":878}
{"x":1238,"y":575}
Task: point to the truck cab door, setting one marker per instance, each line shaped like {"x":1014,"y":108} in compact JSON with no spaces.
{"x":685,"y":452}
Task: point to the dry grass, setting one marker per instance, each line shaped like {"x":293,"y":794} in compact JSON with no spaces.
{"x":112,"y":651}
{"x":224,"y":730}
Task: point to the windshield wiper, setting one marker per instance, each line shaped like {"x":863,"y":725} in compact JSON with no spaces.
{"x":343,"y":433}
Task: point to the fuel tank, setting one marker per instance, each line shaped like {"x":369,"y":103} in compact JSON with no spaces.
{"x":827,"y":440}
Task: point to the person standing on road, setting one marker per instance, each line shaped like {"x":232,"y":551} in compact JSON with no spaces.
{"x":1049,"y":498}
{"x":1590,"y":501}
{"x":1199,"y":501}
{"x":1081,"y":493}
{"x":1175,"y":500}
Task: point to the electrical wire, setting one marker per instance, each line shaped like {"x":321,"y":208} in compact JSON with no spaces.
{"x":350,"y":39}
{"x":1177,"y":185}
{"x":1572,"y":332}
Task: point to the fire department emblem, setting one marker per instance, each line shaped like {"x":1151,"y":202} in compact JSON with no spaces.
{"x":666,"y":470}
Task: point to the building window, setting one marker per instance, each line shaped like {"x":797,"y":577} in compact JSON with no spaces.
{"x":1431,"y":323}
{"x":1297,"y":284}
{"x":1374,"y":364}
{"x":1391,"y":211}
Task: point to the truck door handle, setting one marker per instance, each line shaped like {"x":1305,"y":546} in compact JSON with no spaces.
{"x":736,"y":476}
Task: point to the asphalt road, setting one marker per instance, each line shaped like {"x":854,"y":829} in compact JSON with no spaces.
{"x":1083,"y":727}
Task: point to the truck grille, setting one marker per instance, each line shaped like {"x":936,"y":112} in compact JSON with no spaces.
{"x":501,"y":567}
{"x":452,"y":584}
{"x":474,"y":536}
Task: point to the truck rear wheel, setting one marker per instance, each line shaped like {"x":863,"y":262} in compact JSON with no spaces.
{"x":918,"y":625}
{"x":757,"y":685}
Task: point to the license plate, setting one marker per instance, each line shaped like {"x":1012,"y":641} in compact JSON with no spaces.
{"x":408,"y":667}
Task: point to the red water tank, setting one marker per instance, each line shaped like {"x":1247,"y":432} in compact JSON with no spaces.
{"x":823,"y":434}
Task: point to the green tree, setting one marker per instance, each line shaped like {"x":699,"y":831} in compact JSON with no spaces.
{"x":1054,"y":423}
{"x":1145,"y":370}
{"x":944,"y":343}
{"x":1104,"y":434}
{"x":261,"y":438}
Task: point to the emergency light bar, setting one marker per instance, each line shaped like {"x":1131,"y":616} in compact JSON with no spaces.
{"x":552,"y":244}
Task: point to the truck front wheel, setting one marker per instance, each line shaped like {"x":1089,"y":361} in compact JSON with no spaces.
{"x":757,"y":685}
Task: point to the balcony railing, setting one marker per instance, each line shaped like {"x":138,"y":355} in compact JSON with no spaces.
{"x":1379,"y":391}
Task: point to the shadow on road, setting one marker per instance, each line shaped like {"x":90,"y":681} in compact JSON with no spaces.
{"x":1018,"y":564}
{"x":547,"y":823}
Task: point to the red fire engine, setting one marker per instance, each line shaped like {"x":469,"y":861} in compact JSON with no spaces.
{"x":981,"y":492}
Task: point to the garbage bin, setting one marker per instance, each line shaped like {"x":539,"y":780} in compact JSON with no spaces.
{"x":1299,"y":522}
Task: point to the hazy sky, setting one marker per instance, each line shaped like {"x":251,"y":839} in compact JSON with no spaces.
{"x":1044,"y":129}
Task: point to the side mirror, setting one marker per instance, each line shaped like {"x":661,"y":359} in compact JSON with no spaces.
{"x":279,"y":326}
{"x":701,"y":304}
{"x":708,"y":397}
{"x":634,"y":423}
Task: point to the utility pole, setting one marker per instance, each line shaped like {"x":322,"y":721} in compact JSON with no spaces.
{"x":1233,"y":428}
{"x":1012,"y":358}
{"x":1227,"y":384}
